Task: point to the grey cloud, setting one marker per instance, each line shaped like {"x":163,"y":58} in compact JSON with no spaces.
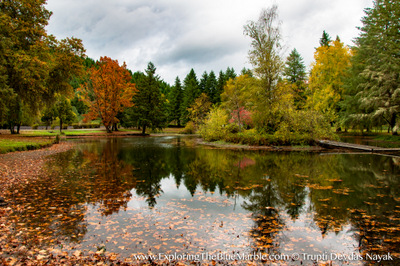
{"x":179,"y":34}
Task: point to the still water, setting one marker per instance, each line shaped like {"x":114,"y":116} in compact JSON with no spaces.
{"x":166,"y":195}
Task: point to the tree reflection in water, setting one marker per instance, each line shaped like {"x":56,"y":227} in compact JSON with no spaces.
{"x":276,"y":189}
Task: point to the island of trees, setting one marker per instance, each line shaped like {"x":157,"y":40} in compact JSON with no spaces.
{"x":43,"y":80}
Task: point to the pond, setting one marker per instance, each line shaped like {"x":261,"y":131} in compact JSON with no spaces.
{"x":165,"y":195}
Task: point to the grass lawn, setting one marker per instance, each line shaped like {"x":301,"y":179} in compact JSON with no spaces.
{"x":23,"y":144}
{"x":66,"y":132}
{"x":36,"y":139}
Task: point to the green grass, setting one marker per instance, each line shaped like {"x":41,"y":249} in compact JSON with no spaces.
{"x":66,"y":132}
{"x":387,"y":137}
{"x":11,"y":145}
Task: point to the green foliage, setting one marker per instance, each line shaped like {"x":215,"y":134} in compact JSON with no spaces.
{"x":85,"y":125}
{"x":295,"y":73}
{"x":149,"y":104}
{"x":34,"y":66}
{"x":325,"y":39}
{"x":175,"y":101}
{"x":63,"y":110}
{"x":191,"y":91}
{"x":375,"y":82}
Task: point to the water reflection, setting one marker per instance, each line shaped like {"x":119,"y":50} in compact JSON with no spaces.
{"x":164,"y":195}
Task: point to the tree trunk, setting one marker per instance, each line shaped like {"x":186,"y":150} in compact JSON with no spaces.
{"x":393,"y":124}
{"x":61,"y":124}
{"x":144,"y":130}
{"x":12,"y":130}
{"x":18,"y":127}
{"x":108,"y":129}
{"x":115,"y":127}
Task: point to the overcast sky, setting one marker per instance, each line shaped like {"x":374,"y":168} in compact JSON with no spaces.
{"x":177,"y":35}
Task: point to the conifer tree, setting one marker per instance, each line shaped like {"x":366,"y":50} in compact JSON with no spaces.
{"x":378,"y":46}
{"x":191,"y":90}
{"x":175,"y":110}
{"x":149,"y":109}
{"x":295,"y":73}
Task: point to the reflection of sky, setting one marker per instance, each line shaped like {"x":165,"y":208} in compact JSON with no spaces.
{"x":209,"y":221}
{"x":180,"y":222}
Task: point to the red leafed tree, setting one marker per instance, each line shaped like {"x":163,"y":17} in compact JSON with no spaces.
{"x":108,"y":91}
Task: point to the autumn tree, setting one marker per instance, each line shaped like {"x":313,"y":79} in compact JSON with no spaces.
{"x":199,"y":109}
{"x":108,"y":91}
{"x":265,"y":50}
{"x":265,"y":57}
{"x":327,"y":78}
{"x":237,"y":96}
{"x":34,"y":67}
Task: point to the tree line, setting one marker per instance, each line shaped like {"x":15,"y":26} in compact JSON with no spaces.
{"x":353,"y":87}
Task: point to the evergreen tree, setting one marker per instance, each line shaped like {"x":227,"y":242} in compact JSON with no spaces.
{"x":175,"y":100}
{"x":230,"y":74}
{"x":211,"y":87}
{"x":378,"y":47}
{"x":220,"y":87}
{"x":191,"y":90}
{"x":325,"y":39}
{"x":203,"y":83}
{"x":295,"y":73}
{"x":246,"y":71}
{"x":148,"y":109}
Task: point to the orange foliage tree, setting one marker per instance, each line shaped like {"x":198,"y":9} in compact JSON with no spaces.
{"x":108,"y":91}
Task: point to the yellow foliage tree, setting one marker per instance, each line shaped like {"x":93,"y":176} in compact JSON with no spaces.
{"x":326,"y":78}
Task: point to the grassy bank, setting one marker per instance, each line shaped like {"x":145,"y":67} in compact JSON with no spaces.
{"x":23,"y":144}
{"x":37,"y":139}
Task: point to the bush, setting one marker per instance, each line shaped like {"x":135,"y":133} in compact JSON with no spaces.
{"x":215,"y":125}
{"x":35,"y":126}
{"x":232,"y":128}
{"x":189,"y":128}
{"x":85,"y":125}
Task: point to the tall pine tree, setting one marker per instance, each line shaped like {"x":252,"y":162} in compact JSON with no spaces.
{"x":191,"y":90}
{"x":175,"y":102}
{"x":378,"y":47}
{"x":148,"y":109}
{"x":295,"y":73}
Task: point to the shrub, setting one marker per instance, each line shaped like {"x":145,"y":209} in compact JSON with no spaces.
{"x":189,"y":128}
{"x":214,"y":127}
{"x":85,"y":125}
{"x":35,"y":126}
{"x":232,"y":128}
